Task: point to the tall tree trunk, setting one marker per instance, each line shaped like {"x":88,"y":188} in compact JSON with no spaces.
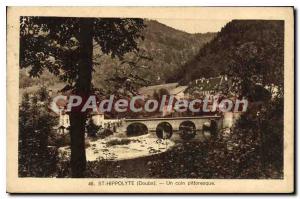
{"x":83,"y":88}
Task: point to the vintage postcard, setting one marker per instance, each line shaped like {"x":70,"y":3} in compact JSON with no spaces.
{"x":150,"y":100}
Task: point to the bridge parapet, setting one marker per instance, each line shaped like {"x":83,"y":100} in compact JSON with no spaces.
{"x":175,"y":122}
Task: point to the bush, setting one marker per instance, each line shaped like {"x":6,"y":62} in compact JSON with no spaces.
{"x":118,"y":142}
{"x":104,"y":133}
{"x":61,"y":140}
{"x":92,"y":128}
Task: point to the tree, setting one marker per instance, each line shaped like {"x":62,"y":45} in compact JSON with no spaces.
{"x":35,"y":126}
{"x":64,"y":46}
{"x":257,"y":56}
{"x":254,"y":66}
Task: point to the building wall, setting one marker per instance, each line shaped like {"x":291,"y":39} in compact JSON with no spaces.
{"x":230,"y":118}
{"x":64,"y":120}
{"x":98,"y":119}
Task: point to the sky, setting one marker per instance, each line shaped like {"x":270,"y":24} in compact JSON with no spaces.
{"x":195,"y":25}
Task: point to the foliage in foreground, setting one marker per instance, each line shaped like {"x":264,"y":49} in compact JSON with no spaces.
{"x":189,"y":160}
{"x":36,"y":157}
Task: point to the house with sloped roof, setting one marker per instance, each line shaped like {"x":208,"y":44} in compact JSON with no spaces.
{"x":206,"y":87}
{"x":179,"y":92}
{"x":148,"y":91}
{"x":172,"y":88}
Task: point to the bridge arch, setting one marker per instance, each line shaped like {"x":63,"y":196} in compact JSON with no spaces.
{"x":136,"y":129}
{"x":201,"y":123}
{"x":187,"y":130}
{"x":164,"y":130}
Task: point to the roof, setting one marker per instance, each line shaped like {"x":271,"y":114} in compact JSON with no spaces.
{"x":178,"y":90}
{"x":149,"y":90}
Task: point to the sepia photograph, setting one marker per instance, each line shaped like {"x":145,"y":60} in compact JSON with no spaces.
{"x":150,"y":101}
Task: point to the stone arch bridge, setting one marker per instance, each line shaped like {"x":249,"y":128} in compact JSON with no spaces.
{"x":152,"y":123}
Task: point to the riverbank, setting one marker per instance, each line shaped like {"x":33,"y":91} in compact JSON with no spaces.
{"x":115,"y":149}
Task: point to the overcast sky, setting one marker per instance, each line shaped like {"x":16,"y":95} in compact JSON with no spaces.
{"x":195,"y":25}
